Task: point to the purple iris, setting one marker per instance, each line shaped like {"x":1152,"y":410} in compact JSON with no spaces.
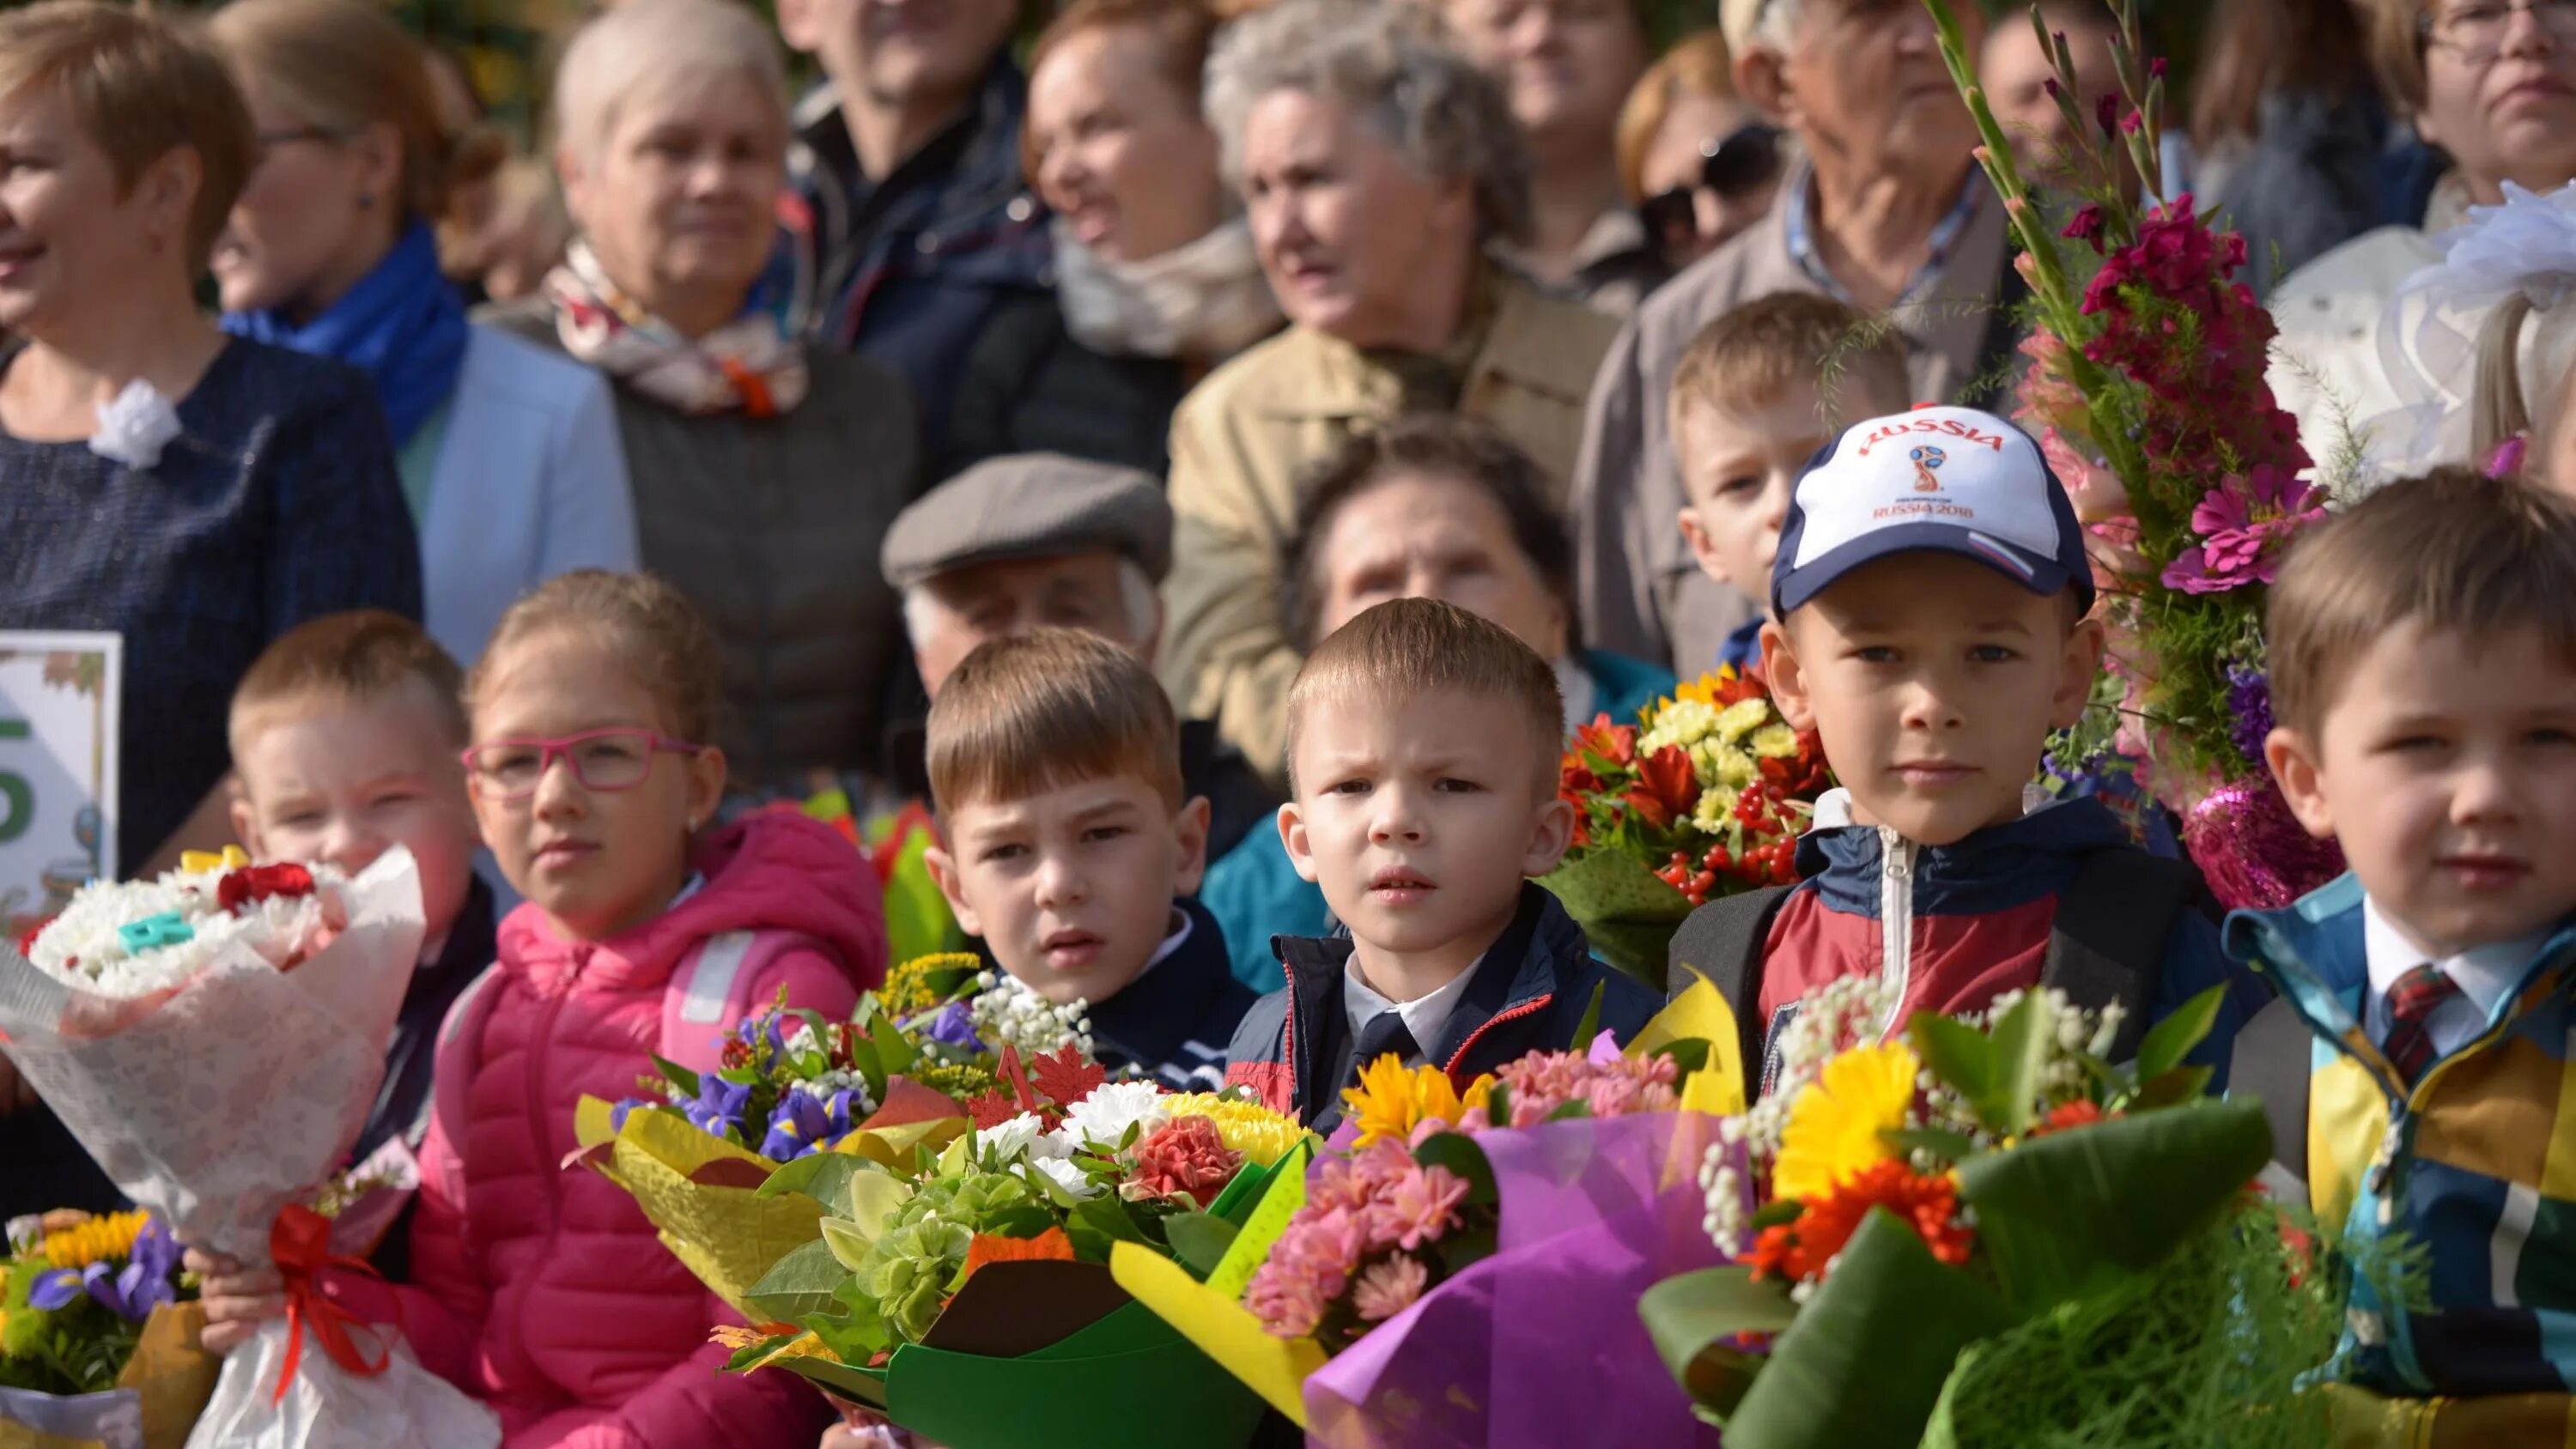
{"x":955,"y":1027}
{"x":718,"y":1108}
{"x":130,"y":1292}
{"x":618,"y":1114}
{"x":804,"y":1122}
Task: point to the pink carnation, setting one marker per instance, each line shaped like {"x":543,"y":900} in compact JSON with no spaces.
{"x":1389,"y":1288}
{"x":1542,"y":1082}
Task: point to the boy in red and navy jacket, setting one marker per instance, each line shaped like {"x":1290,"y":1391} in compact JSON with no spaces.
{"x":1929,"y":606}
{"x":1422,"y":755}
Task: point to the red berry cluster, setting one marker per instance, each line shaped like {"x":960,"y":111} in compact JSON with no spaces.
{"x":1770,"y":858}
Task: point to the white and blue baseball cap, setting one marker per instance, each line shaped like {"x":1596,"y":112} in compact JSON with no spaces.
{"x":1954,"y":480}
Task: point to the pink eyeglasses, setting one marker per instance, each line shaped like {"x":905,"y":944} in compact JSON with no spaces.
{"x":609,"y":759}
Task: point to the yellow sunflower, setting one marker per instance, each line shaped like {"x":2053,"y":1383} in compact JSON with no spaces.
{"x":1391,"y":1101}
{"x":1835,"y":1121}
{"x":98,"y":1240}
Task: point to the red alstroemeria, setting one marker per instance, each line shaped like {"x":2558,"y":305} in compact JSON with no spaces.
{"x":1799,"y":1251}
{"x":1667,"y":787}
{"x":2066,"y":1115}
{"x":1614,"y":745}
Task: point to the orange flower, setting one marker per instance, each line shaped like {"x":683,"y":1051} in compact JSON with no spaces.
{"x":2066,"y":1115}
{"x":1799,"y":1251}
{"x":1666,"y":787}
{"x":1049,"y":1246}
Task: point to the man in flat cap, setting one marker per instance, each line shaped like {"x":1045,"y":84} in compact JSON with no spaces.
{"x":1018,"y":543}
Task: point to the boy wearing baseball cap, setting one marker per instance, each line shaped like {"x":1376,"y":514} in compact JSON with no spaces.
{"x":1929,"y":606}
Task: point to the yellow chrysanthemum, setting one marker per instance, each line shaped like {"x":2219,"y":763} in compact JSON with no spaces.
{"x":1835,"y":1121}
{"x":1723,"y":764}
{"x":1684,"y":722}
{"x":1261,"y":1135}
{"x":1773,"y":742}
{"x":1716,"y":809}
{"x":98,"y":1240}
{"x":1391,"y":1101}
{"x":1742,"y":718}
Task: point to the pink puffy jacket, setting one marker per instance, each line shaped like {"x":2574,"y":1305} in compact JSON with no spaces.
{"x":542,"y":1290}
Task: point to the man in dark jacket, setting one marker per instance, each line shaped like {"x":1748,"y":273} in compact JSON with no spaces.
{"x":912,"y":223}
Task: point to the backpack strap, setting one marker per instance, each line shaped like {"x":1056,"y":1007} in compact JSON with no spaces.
{"x":710,"y":993}
{"x":2114,"y":920}
{"x":1723,"y":941}
{"x":2271,"y":1064}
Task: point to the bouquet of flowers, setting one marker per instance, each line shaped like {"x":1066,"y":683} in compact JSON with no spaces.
{"x":214,"y":1038}
{"x":1442,"y":1277}
{"x":963,"y":1291}
{"x":2146,"y":389}
{"x":1982,"y":1233}
{"x":694,"y":1150}
{"x":98,"y":1334}
{"x":1705,"y":795}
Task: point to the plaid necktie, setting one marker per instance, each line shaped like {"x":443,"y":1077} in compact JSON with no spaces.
{"x":2411,"y":1004}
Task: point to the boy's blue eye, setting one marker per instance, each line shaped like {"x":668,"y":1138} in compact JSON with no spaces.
{"x":1004,"y":852}
{"x":1456,"y":786}
{"x":1347,"y":787}
{"x":1104,"y":832}
{"x":1875,"y":654}
{"x":1993,"y":654}
{"x":2552,"y":735}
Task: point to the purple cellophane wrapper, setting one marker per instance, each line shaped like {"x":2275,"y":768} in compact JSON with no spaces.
{"x":2252,"y":850}
{"x":1540,"y":1346}
{"x":219,"y":1102}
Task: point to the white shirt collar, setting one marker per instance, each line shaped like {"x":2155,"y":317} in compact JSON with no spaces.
{"x":1424,"y":1016}
{"x":1181,"y":924}
{"x":2483,"y":973}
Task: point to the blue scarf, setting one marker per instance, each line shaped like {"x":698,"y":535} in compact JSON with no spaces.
{"x":403,"y":323}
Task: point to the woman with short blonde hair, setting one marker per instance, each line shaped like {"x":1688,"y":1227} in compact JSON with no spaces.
{"x":195,"y":495}
{"x":765,"y":471}
{"x":1698,"y":162}
{"x":509,"y":452}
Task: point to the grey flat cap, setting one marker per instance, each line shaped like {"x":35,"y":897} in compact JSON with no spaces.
{"x":1030,"y":505}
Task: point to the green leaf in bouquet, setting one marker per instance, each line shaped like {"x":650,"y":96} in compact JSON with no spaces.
{"x":848,"y":1240}
{"x":1463,"y":1248}
{"x":1095,"y":1223}
{"x":1778,"y":1213}
{"x":2080,"y":1211}
{"x":2175,"y":1088}
{"x":2022,"y":1038}
{"x":818,"y":1175}
{"x":1958,"y":1055}
{"x":1459,"y":1153}
{"x":1199,"y":1241}
{"x":895,"y":1053}
{"x":1627,"y":911}
{"x":1693,"y":1317}
{"x":802,"y":1283}
{"x":678,"y":1076}
{"x":1864,"y":1361}
{"x":1590,"y":1025}
{"x":2170,"y":1040}
{"x":1688,"y":1055}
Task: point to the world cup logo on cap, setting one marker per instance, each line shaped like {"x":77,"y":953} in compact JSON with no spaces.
{"x":1927,"y":461}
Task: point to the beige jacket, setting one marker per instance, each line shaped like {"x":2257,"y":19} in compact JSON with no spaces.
{"x":1242,"y":438}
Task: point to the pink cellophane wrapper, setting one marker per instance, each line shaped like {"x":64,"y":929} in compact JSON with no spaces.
{"x":1540,"y":1346}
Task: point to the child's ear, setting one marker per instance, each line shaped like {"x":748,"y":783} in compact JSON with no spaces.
{"x":1190,"y":829}
{"x":1550,"y":834}
{"x":2078,"y":668}
{"x":1703,"y":549}
{"x":943,"y":869}
{"x":1292,"y":836}
{"x":1788,"y":678}
{"x":246,"y":822}
{"x":2298,"y":766}
{"x":706,"y":785}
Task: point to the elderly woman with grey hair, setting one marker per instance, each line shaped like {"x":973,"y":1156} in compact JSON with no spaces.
{"x":1376,"y":164}
{"x":765,"y":472}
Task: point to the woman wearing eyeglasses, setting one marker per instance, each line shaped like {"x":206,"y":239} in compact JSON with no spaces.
{"x":1697,"y":161}
{"x":2491,"y":86}
{"x":509,"y":452}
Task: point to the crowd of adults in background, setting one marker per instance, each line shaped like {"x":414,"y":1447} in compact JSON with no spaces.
{"x":1314,"y":302}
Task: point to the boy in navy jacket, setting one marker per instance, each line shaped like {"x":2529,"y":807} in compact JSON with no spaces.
{"x":1422,"y":757}
{"x":1067,"y":844}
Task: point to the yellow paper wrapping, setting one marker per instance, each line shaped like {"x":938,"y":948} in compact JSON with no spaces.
{"x":1701,"y":1013}
{"x":730,"y":1237}
{"x":1223,"y":1329}
{"x":170,"y":1376}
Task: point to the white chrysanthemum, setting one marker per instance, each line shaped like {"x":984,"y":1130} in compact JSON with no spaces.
{"x":83,"y":945}
{"x":1004,"y":1143}
{"x":1100,"y":1121}
{"x":1063,"y":1173}
{"x":1684,"y":722}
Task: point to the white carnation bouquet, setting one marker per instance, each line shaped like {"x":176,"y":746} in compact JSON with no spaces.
{"x":214,"y":1039}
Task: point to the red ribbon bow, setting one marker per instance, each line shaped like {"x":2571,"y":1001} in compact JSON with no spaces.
{"x":300,"y":1241}
{"x":259,"y":882}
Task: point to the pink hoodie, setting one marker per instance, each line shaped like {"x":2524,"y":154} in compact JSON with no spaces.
{"x":543,"y":1291}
